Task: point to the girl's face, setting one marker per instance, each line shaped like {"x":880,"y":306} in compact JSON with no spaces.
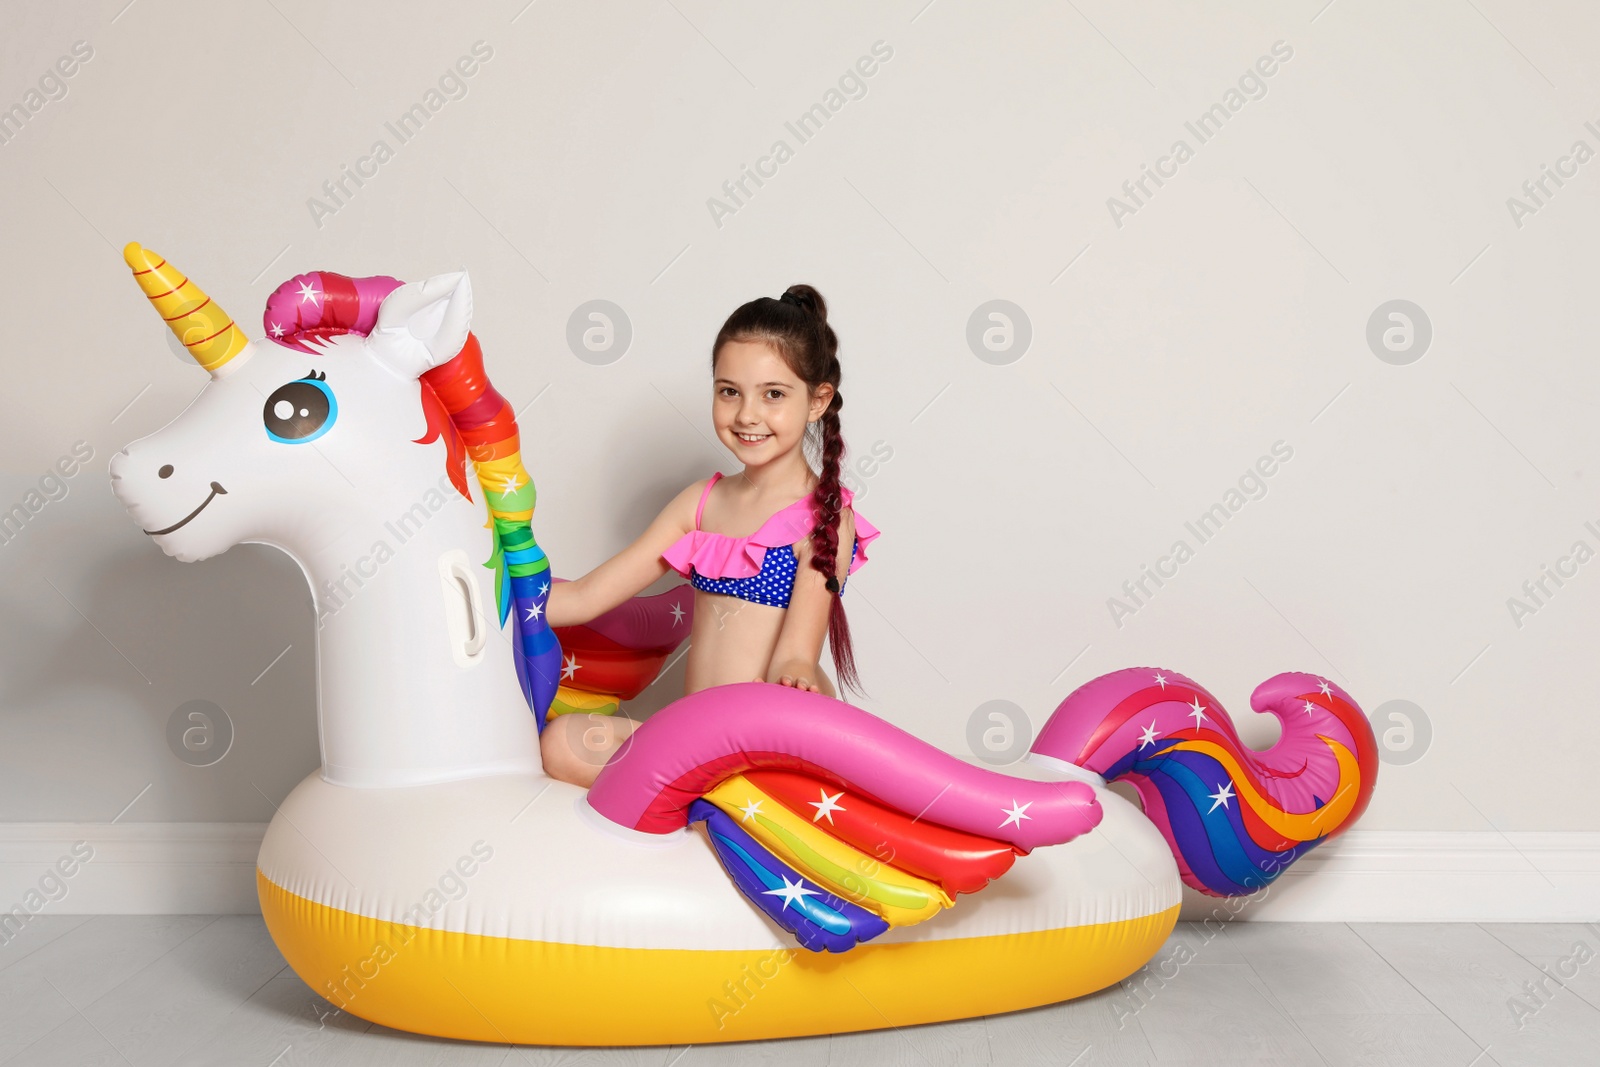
{"x":759,"y":406}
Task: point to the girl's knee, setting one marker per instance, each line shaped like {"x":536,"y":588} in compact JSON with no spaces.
{"x":575,"y":746}
{"x":554,"y":752}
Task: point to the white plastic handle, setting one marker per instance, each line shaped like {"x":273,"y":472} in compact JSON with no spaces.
{"x":464,"y":616}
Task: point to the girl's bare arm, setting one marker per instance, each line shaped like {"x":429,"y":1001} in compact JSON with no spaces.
{"x":796,"y":660}
{"x":630,"y":571}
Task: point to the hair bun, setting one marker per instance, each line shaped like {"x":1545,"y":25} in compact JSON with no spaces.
{"x":806,"y":299}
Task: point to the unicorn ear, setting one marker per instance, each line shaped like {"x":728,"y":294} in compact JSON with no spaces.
{"x":424,"y":324}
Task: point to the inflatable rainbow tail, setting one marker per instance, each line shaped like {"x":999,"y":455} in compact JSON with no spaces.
{"x":1234,"y":818}
{"x":616,"y":656}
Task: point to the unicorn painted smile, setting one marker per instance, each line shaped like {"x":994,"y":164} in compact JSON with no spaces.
{"x":216,"y":491}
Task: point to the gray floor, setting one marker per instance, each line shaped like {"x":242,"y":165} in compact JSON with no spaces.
{"x":205,"y":990}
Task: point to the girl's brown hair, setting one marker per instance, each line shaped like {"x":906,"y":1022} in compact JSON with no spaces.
{"x":796,"y":325}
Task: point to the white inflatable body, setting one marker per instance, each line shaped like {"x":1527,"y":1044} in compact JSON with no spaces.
{"x":504,"y":909}
{"x":431,"y":877}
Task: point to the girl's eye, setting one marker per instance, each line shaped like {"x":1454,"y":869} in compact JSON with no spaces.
{"x":300,"y":411}
{"x":771,"y":394}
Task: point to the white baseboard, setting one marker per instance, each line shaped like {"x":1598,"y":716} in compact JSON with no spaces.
{"x":1363,"y":876}
{"x":136,"y":868}
{"x":1429,"y":876}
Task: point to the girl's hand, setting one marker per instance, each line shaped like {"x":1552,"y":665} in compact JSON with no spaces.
{"x":799,"y":683}
{"x":797,"y":675}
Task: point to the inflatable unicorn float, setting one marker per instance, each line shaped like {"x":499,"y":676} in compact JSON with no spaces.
{"x":431,"y":877}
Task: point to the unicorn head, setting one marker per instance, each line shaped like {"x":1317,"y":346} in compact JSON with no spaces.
{"x":280,"y":445}
{"x":311,"y":444}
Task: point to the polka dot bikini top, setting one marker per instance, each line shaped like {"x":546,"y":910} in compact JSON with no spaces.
{"x":743,"y":567}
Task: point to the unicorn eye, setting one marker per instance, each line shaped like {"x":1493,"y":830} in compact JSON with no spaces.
{"x":301,"y":411}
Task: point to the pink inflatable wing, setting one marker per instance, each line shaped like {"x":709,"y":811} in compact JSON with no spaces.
{"x":693,"y":744}
{"x":622,"y":652}
{"x":656,"y":621}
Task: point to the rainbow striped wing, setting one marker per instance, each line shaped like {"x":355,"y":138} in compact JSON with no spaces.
{"x":618,"y":654}
{"x":819,"y":920}
{"x":834,"y":866}
{"x":788,"y":769}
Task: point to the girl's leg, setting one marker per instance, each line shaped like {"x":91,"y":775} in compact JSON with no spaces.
{"x":575,"y":746}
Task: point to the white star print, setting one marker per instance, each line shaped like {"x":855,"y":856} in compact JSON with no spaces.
{"x":751,"y":809}
{"x":545,"y":588}
{"x":1310,"y":707}
{"x":533,"y":613}
{"x":1221,"y":797}
{"x":1327,"y":690}
{"x":827,"y":806}
{"x":677,"y":614}
{"x":571,"y":669}
{"x":511,"y":483}
{"x":1148,"y":737}
{"x":1016,"y":813}
{"x":1161,"y":680}
{"x":1199,"y":713}
{"x":277,"y":331}
{"x":309,"y":293}
{"x":790,"y":892}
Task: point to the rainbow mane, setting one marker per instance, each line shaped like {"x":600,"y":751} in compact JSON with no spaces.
{"x":463,"y":407}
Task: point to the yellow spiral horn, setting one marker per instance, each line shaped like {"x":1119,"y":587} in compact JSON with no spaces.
{"x":208,"y":332}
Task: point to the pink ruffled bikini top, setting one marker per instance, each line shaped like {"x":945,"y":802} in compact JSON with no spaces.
{"x":742,"y":566}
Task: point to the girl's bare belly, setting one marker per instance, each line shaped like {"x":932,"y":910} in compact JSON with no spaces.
{"x":732,"y":640}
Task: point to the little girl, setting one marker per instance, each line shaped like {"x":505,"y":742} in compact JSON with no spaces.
{"x":765,"y":550}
